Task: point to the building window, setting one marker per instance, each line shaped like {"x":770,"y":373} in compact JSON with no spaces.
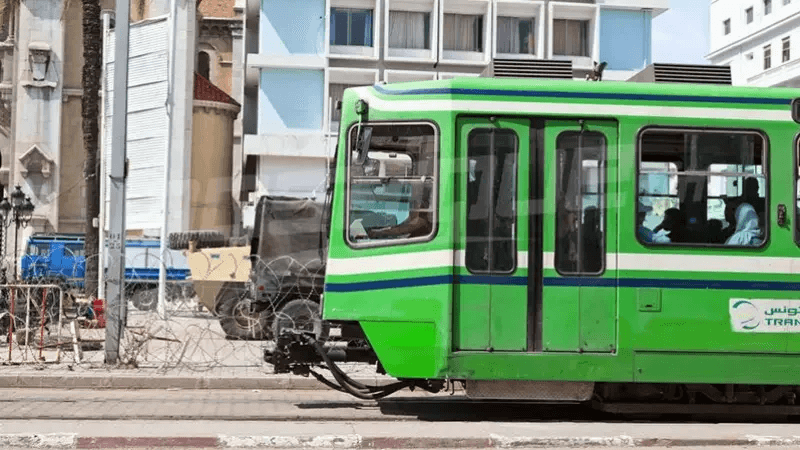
{"x":204,"y":65}
{"x":463,"y":32}
{"x":786,"y":2}
{"x":491,"y":196}
{"x":580,"y":203}
{"x":392,"y":184}
{"x":786,"y":54}
{"x":336,"y":93}
{"x":767,"y":57}
{"x":702,"y":187}
{"x":516,"y":35}
{"x":570,"y":37}
{"x":351,"y":27}
{"x":748,"y":13}
{"x":726,"y":26}
{"x":767,"y":7}
{"x":409,"y":29}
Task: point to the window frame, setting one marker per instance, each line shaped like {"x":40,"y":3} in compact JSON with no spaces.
{"x":766,"y":173}
{"x":604,"y":208}
{"x":726,"y":27}
{"x":748,"y":15}
{"x":514,"y":236}
{"x":767,"y":56}
{"x":767,"y":7}
{"x":586,"y":30}
{"x":534,"y":19}
{"x":479,"y":30}
{"x":786,"y":49}
{"x":350,"y":12}
{"x":435,"y":192}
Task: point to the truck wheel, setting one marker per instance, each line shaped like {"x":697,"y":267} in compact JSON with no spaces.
{"x":238,"y":318}
{"x":145,"y":299}
{"x":202,"y":238}
{"x":300,"y":315}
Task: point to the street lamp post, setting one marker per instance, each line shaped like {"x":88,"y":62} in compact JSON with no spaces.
{"x":19,"y":211}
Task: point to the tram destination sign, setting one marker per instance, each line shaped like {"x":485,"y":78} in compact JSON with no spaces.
{"x":764,"y":315}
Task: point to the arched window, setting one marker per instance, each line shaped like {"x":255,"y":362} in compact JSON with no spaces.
{"x":204,"y":65}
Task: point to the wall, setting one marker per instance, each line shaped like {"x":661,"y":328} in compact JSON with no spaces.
{"x":296,"y":177}
{"x":625,"y":39}
{"x":290,"y":99}
{"x":72,"y":191}
{"x":291,"y":27}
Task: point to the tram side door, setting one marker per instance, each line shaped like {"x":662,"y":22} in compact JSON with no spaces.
{"x":579,"y":274}
{"x":491,"y":224}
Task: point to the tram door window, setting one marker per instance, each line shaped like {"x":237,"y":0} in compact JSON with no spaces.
{"x":580,"y":209}
{"x":704,"y":188}
{"x":491,"y":193}
{"x":490,"y":297}
{"x":579,"y":275}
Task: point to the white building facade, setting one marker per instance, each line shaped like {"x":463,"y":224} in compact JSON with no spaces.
{"x":758,"y":39}
{"x":300,"y":58}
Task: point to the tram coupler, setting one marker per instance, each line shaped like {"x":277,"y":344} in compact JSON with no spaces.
{"x":296,"y":351}
{"x":293,"y":352}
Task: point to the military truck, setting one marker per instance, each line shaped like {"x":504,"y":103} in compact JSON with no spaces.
{"x":274,"y":279}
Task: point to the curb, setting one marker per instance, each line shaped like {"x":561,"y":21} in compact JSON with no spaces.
{"x":354,"y":441}
{"x":112,"y":381}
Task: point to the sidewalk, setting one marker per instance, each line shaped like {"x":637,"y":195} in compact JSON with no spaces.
{"x":371,"y":435}
{"x":101,"y":377}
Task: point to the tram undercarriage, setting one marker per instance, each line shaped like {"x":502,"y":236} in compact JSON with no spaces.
{"x":300,"y":352}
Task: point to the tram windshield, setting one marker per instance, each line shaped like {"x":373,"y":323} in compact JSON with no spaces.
{"x":391,"y":189}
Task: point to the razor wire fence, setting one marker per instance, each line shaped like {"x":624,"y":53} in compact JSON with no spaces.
{"x":224,"y":317}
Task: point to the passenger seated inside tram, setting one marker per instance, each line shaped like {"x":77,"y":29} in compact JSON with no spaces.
{"x":417,"y":224}
{"x":714,"y":232}
{"x":748,"y":232}
{"x":750,"y":195}
{"x":592,"y":240}
{"x":730,"y":217}
{"x":675,"y":224}
{"x":645,"y":234}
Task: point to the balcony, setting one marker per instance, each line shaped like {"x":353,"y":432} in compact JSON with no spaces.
{"x":353,"y":29}
{"x":574,"y":33}
{"x":410,"y":32}
{"x":518,"y":31}
{"x":465,"y":35}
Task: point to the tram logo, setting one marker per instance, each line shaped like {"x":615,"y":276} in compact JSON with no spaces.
{"x":764,"y":315}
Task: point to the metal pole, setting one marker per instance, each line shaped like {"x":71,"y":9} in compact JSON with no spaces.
{"x":162,"y":268}
{"x":115,"y":291}
{"x":101,"y":221}
{"x":16,"y":244}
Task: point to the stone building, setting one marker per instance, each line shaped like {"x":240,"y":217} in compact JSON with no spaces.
{"x":41,"y":59}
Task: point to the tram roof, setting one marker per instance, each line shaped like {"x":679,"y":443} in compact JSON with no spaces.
{"x":576,"y":90}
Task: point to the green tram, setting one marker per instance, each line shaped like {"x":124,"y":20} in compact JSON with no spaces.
{"x":566,"y":240}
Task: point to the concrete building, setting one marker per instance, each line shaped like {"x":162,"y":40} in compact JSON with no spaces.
{"x":757,"y":39}
{"x":300,"y":58}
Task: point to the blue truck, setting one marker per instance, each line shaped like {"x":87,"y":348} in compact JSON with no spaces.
{"x":61,"y":259}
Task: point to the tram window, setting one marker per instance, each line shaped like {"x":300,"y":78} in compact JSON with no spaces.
{"x":580,"y":203}
{"x":491,"y":197}
{"x":702,"y":188}
{"x":392,"y":193}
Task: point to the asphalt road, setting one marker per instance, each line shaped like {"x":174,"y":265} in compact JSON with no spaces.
{"x":220,"y":418}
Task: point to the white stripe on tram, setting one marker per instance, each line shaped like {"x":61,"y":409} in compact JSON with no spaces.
{"x":694,"y":263}
{"x":401,"y":104}
{"x":622,"y":261}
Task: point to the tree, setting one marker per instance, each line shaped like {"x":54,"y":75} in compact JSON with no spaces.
{"x":90,"y":113}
